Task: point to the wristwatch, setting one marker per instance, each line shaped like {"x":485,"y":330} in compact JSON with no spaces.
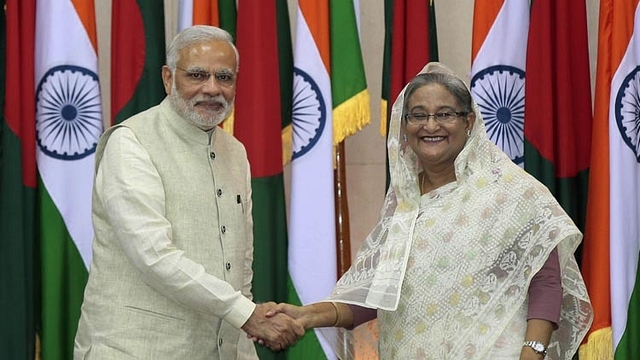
{"x":537,"y":347}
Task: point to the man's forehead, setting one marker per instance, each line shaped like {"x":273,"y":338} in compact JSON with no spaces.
{"x":208,"y":53}
{"x":208,"y":46}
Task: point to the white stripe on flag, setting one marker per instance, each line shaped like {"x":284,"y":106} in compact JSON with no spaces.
{"x":185,"y":14}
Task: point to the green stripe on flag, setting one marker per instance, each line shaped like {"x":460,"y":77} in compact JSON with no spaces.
{"x":228,"y":16}
{"x":270,"y":246}
{"x":17,"y":298}
{"x":348,"y":82}
{"x":571,"y":192}
{"x":269,"y":217}
{"x":63,"y":279}
{"x":628,"y":347}
{"x":308,"y":347}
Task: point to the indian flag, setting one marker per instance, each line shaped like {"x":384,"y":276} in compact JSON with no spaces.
{"x":331,"y":102}
{"x":312,"y":234}
{"x":499,"y":53}
{"x":68,"y":125}
{"x":612,"y":238}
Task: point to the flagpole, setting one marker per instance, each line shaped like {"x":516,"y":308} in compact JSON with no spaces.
{"x":343,"y":242}
{"x":343,"y":236}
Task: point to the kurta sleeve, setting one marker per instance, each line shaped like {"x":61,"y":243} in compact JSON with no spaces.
{"x":362,"y":315}
{"x":545,"y":291}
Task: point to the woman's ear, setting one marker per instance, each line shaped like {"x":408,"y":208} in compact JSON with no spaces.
{"x":471,"y":119}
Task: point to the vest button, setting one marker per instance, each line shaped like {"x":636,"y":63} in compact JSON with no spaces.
{"x":223,"y":229}
{"x":220,"y":342}
{"x":212,"y":155}
{"x":228,"y":266}
{"x":219,"y":192}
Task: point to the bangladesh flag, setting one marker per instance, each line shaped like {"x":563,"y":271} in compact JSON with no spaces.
{"x":17,"y":182}
{"x":263,"y":102}
{"x":137,"y":57}
{"x":558,"y":118}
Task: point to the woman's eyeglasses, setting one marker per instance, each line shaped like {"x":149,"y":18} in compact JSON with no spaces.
{"x":445,"y":117}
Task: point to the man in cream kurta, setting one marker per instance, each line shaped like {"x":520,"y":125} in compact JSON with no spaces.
{"x":173,"y":249}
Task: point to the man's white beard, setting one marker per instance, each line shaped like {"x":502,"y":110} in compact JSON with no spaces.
{"x":185,"y":108}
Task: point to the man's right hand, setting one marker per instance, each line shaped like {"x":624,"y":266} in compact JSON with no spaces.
{"x":277,"y":332}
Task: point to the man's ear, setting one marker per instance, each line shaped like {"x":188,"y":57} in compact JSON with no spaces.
{"x":167,"y":79}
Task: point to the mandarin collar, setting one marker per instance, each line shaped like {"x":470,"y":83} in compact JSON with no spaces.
{"x":185,"y":128}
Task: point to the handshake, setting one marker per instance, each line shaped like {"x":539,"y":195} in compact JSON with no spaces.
{"x":277,"y":326}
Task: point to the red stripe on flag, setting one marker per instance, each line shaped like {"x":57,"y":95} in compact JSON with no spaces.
{"x":410,"y":42}
{"x":257,"y":111}
{"x":557,"y":113}
{"x":128,"y":47}
{"x":20,"y":100}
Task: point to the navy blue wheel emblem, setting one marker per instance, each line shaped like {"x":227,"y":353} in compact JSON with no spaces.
{"x":499,"y":92}
{"x":309,"y":113}
{"x":68,"y":112}
{"x":627,"y":111}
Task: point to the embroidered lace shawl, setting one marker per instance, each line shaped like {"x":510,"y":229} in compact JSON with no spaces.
{"x":477,"y":243}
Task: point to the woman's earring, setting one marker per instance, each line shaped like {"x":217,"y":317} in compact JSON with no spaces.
{"x":404,"y":137}
{"x":468,"y":132}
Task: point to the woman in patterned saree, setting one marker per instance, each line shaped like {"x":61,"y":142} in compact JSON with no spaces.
{"x":472,"y":257}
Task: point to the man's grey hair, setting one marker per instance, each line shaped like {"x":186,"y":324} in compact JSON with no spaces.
{"x":194,"y":35}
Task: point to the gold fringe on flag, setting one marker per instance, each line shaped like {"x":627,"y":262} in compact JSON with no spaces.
{"x":599,"y":345}
{"x":383,"y":118}
{"x":351,"y":116}
{"x":287,"y":152}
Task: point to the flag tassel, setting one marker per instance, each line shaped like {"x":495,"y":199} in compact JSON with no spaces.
{"x":599,"y":345}
{"x":351,"y":116}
